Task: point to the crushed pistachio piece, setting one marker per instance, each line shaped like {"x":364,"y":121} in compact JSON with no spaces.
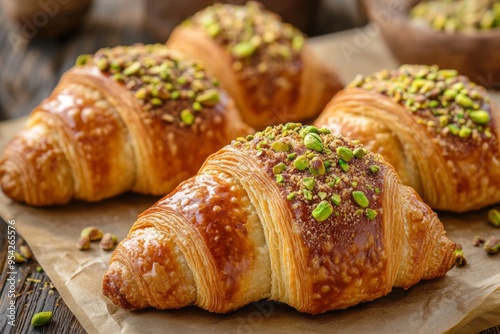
{"x":280,"y":178}
{"x":209,"y":98}
{"x":374,"y":169}
{"x":441,"y":100}
{"x":307,"y":194}
{"x":480,"y":117}
{"x":336,"y":199}
{"x":187,"y":117}
{"x":313,"y":142}
{"x":343,"y":165}
{"x":359,"y":153}
{"x":308,"y":182}
{"x":243,"y":49}
{"x":477,"y":241}
{"x":316,"y":166}
{"x":301,"y":163}
{"x":322,"y":211}
{"x":370,"y":213}
{"x":360,"y":198}
{"x":345,"y":153}
{"x":280,"y":146}
{"x":291,"y":196}
{"x":41,"y":318}
{"x":492,"y":245}
{"x":277,"y":169}
{"x":460,"y":259}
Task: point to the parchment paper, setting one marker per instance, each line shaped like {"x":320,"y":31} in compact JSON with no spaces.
{"x":466,"y":300}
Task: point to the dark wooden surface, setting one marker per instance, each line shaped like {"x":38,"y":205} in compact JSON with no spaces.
{"x":29,"y":70}
{"x":33,"y":293}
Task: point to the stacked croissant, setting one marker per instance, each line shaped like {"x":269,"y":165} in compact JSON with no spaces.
{"x":294,"y":213}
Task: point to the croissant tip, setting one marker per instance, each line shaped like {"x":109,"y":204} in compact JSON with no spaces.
{"x":10,"y":181}
{"x":112,"y":291}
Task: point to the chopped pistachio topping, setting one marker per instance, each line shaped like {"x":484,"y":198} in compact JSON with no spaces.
{"x":308,"y":182}
{"x":360,"y":198}
{"x":345,"y":153}
{"x":313,"y":182}
{"x":155,"y":76}
{"x":371,"y":214}
{"x":277,"y":169}
{"x":249,"y":31}
{"x":280,"y":146}
{"x":313,"y":141}
{"x":343,"y":165}
{"x":316,"y":166}
{"x":336,"y":199}
{"x":301,"y":163}
{"x":322,"y":211}
{"x":447,"y":103}
{"x":374,"y":169}
{"x":187,"y":117}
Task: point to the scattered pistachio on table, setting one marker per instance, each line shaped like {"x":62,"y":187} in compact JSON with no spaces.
{"x":477,"y":241}
{"x":492,"y":245}
{"x":25,"y":252}
{"x":41,"y":318}
{"x":108,"y":241}
{"x":494,"y":217}
{"x":18,"y":258}
{"x":460,"y":259}
{"x":92,"y":232}
{"x":83,"y":243}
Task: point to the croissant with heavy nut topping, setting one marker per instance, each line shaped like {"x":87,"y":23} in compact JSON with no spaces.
{"x":293,"y":214}
{"x":264,"y":63}
{"x":126,"y":119}
{"x":438,"y":129}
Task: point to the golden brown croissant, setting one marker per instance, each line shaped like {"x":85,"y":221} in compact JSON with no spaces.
{"x":438,"y":129}
{"x":264,"y":64}
{"x":292,"y":214}
{"x":128,"y":118}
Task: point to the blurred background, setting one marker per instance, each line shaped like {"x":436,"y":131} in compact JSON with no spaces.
{"x":40,"y":39}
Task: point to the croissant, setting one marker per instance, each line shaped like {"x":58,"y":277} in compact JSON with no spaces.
{"x":438,"y":129}
{"x":292,"y":214}
{"x":264,"y":64}
{"x":126,"y":119}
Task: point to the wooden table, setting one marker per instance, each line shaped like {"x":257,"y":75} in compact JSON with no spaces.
{"x":110,"y":23}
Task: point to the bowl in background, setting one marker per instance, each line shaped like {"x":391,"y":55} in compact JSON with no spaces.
{"x":474,"y":54}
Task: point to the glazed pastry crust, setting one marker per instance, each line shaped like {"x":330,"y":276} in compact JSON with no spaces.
{"x":235,"y":235}
{"x":289,"y":89}
{"x":449,"y":174}
{"x":93,"y":138}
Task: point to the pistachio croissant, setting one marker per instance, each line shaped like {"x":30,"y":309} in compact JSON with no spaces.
{"x":293,"y":214}
{"x":437,"y":128}
{"x":125,"y":119}
{"x":264,"y":63}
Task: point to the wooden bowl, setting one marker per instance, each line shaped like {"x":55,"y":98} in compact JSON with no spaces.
{"x":476,"y":55}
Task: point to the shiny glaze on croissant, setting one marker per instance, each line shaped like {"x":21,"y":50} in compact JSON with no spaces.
{"x":438,"y":130}
{"x":264,"y":64}
{"x":126,"y":119}
{"x":292,"y":214}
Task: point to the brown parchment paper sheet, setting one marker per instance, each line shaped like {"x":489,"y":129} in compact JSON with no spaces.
{"x":466,"y":300}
